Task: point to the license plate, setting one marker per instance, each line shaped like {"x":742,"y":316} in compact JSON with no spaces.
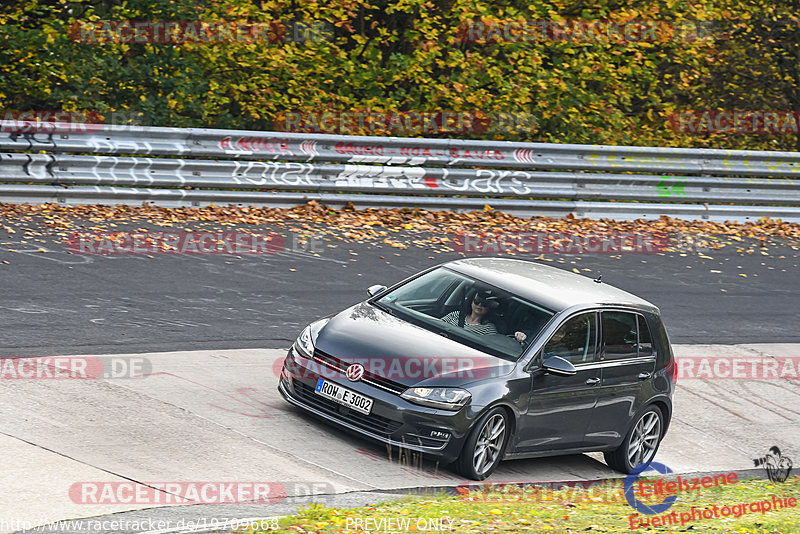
{"x":344,"y":396}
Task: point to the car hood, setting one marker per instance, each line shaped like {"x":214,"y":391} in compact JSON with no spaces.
{"x":396,"y":350}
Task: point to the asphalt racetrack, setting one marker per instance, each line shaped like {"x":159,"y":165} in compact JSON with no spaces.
{"x":57,"y":303}
{"x":211,"y":331}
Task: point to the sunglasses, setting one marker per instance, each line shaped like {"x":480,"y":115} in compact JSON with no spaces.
{"x":481,"y":302}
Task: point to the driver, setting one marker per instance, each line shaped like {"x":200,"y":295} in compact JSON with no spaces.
{"x":476,"y":321}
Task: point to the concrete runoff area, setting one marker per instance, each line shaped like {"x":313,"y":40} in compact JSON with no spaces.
{"x":216,"y":416}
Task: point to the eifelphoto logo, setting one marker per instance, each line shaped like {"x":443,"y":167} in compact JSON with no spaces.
{"x":735,"y":122}
{"x":405,"y":122}
{"x":98,"y":32}
{"x":75,"y":368}
{"x":151,"y":243}
{"x":671,"y":488}
{"x":776,"y":465}
{"x":630,"y":489}
{"x":585,"y":31}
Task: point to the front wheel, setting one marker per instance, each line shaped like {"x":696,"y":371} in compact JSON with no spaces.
{"x":640,"y":444}
{"x":485,"y":445}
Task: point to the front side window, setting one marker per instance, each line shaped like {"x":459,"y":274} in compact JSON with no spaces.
{"x":575,"y":340}
{"x":469,"y":311}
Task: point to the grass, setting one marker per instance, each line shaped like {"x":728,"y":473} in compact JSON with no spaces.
{"x":513,"y":509}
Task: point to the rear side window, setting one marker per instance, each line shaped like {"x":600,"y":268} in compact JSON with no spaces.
{"x":645,"y":339}
{"x":620,"y":335}
{"x":626,"y":335}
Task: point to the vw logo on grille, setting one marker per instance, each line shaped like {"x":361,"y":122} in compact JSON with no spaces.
{"x":355,"y":372}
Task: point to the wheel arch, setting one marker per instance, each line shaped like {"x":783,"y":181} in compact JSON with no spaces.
{"x":666,"y":411}
{"x":512,"y":420}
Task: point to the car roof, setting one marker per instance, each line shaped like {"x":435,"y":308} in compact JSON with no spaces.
{"x":548,"y":286}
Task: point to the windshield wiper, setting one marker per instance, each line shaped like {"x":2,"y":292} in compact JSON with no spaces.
{"x":387,"y":309}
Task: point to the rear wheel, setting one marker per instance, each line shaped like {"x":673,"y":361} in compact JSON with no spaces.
{"x":641,"y":443}
{"x":485,"y":445}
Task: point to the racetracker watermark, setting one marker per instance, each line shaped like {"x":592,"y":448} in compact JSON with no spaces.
{"x":391,"y":368}
{"x":49,"y":122}
{"x":405,"y":122}
{"x":99,"y":32}
{"x":514,"y":491}
{"x":584,"y":31}
{"x":735,"y":122}
{"x":74,"y":367}
{"x":235,"y":243}
{"x":738,"y":367}
{"x":145,"y":525}
{"x":205,"y":492}
{"x":559,"y":243}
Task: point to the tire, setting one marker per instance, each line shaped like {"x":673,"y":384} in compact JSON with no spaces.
{"x":634,"y":450}
{"x":489,"y":436}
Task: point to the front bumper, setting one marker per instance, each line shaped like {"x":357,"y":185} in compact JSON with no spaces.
{"x":393,"y":420}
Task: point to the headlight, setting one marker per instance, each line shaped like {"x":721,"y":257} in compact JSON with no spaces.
{"x":445,"y":398}
{"x":304,"y":344}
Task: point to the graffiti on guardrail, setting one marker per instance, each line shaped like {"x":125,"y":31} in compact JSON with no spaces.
{"x":251,"y":145}
{"x":250,"y":174}
{"x":564,"y":176}
{"x":666,"y":188}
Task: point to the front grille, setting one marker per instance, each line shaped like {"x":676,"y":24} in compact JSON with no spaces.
{"x":372,"y":379}
{"x":371,"y":423}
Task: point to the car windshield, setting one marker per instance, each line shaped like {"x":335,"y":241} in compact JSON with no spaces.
{"x":469,"y":311}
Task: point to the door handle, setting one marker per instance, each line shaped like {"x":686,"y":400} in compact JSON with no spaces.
{"x":644,"y":376}
{"x":592,"y":381}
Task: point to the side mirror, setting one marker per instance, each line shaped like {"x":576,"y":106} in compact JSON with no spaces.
{"x":376,"y":289}
{"x":559,"y":366}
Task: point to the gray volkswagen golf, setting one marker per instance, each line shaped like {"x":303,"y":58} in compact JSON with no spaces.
{"x":479,"y":360}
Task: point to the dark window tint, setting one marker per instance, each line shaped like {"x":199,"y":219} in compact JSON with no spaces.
{"x":620,"y":335}
{"x":575,"y":340}
{"x":645,"y":341}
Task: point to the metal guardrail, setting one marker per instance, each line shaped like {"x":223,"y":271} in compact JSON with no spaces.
{"x":162,"y":166}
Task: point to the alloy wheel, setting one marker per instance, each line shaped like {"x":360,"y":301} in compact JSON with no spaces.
{"x":489,"y":444}
{"x":644,"y":439}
